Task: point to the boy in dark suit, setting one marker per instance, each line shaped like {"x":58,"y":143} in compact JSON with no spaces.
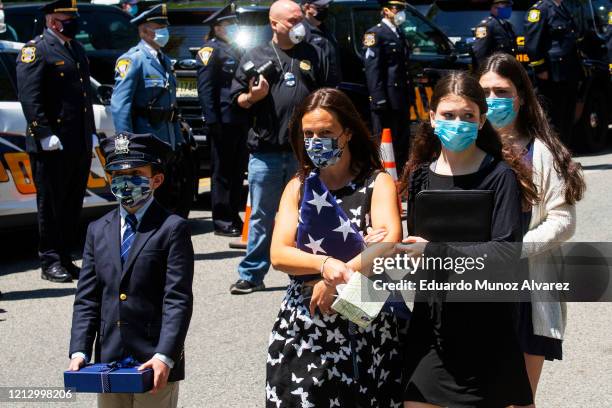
{"x":135,"y":290}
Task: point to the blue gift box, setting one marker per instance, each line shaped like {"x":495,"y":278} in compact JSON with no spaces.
{"x":116,"y":377}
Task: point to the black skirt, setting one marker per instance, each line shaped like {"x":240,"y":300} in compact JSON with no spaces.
{"x":551,"y":349}
{"x":468,"y":362}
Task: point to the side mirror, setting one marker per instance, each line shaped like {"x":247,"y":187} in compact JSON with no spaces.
{"x":105,"y":92}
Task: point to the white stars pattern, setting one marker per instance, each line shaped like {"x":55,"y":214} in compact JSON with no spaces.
{"x":345,"y":228}
{"x":315,"y":245}
{"x":319,"y":201}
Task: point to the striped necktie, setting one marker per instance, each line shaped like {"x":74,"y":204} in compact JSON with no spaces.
{"x":128,"y":236}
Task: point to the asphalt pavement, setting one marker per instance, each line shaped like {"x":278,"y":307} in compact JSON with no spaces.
{"x":228,"y":338}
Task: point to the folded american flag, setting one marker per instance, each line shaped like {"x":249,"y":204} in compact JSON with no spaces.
{"x":324,"y":228}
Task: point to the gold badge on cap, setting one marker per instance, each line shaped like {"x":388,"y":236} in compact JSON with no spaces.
{"x":205,"y":54}
{"x":305,"y":65}
{"x":28,"y":54}
{"x":369,"y":39}
{"x":122,"y":144}
{"x":533,"y":16}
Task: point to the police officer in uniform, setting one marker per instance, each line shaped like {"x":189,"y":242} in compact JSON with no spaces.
{"x":54,"y":91}
{"x":135,"y":296}
{"x":318,"y":34}
{"x":551,"y":41}
{"x":144,"y":97}
{"x":495,"y":33}
{"x":386,"y":68}
{"x":218,"y":61}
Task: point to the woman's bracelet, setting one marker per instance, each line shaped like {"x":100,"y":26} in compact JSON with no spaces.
{"x":323,"y":265}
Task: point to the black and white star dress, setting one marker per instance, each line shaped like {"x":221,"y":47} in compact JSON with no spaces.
{"x":326,"y":361}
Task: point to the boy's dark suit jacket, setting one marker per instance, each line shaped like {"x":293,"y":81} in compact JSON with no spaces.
{"x":155,"y":282}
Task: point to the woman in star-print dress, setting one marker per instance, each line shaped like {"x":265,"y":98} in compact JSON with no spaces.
{"x":317,"y":358}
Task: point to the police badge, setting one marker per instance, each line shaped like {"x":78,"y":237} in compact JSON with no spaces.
{"x":28,"y":54}
{"x":122,"y":144}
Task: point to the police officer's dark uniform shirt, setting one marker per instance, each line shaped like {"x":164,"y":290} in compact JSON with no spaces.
{"x":386,"y":66}
{"x":321,"y":37}
{"x":55,"y":93}
{"x":551,"y":36}
{"x":269,"y":130}
{"x":494,"y":35}
{"x":217,"y":64}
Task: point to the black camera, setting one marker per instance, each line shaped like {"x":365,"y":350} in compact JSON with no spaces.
{"x":267,"y":69}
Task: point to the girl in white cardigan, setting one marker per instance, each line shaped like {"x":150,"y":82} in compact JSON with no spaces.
{"x":515,"y":111}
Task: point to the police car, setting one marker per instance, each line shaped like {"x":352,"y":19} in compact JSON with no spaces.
{"x":459,"y":18}
{"x":17,"y":190}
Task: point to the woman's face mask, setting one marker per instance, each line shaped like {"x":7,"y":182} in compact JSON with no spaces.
{"x":231,"y":31}
{"x":131,"y":190}
{"x":501,"y":112}
{"x":162,"y":36}
{"x":456,"y":135}
{"x":323,"y":151}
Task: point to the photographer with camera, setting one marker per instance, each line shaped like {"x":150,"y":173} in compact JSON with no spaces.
{"x":270,"y":92}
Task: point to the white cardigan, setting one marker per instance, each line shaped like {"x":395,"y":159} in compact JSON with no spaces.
{"x":553,"y":221}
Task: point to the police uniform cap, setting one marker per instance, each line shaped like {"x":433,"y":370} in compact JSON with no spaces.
{"x":318,"y":3}
{"x":388,"y":3}
{"x":502,"y":1}
{"x":157,"y":14}
{"x":60,"y":6}
{"x":129,"y":150}
{"x":225,"y":13}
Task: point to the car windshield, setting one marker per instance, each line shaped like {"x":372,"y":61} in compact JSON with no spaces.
{"x":460,"y":23}
{"x":187,"y":33}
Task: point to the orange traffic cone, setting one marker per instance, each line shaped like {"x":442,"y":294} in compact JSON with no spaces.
{"x":242,"y":242}
{"x":388,"y":158}
{"x":386,"y":153}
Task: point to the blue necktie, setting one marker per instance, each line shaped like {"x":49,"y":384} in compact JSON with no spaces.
{"x":128,"y":236}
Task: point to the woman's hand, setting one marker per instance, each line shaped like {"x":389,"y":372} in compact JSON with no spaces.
{"x":335,"y":272}
{"x":375,"y":235}
{"x":322,"y":297}
{"x":413,"y":246}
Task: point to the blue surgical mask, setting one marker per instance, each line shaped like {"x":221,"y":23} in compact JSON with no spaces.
{"x":456,"y":135}
{"x":131,"y":191}
{"x":504,"y":12}
{"x":501,"y":112}
{"x":162,"y":36}
{"x":323,"y":151}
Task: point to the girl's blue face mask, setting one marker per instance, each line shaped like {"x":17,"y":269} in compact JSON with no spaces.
{"x":323,"y":151}
{"x":501,"y":112}
{"x":131,"y":191}
{"x":456,"y":135}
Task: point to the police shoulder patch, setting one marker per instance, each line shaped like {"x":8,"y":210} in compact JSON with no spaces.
{"x":369,"y":39}
{"x":481,"y":32}
{"x":533,"y":16}
{"x":123,"y":66}
{"x":28,"y":54}
{"x":305,"y":65}
{"x":609,"y":17}
{"x":205,"y":54}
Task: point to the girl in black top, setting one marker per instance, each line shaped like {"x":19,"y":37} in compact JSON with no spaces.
{"x":466,"y":354}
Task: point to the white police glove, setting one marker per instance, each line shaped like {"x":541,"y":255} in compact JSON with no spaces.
{"x":50,"y":143}
{"x":94,"y":140}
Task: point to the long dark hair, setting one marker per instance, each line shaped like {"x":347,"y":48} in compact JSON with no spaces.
{"x":533,"y":122}
{"x":364,"y":152}
{"x":426,"y":146}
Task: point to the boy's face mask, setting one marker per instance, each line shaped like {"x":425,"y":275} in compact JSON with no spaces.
{"x":131,"y":190}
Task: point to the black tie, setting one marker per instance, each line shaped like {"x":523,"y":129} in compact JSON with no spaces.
{"x":70,"y":50}
{"x":161,"y":59}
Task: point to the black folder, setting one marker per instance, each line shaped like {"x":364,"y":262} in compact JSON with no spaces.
{"x":454,"y":215}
